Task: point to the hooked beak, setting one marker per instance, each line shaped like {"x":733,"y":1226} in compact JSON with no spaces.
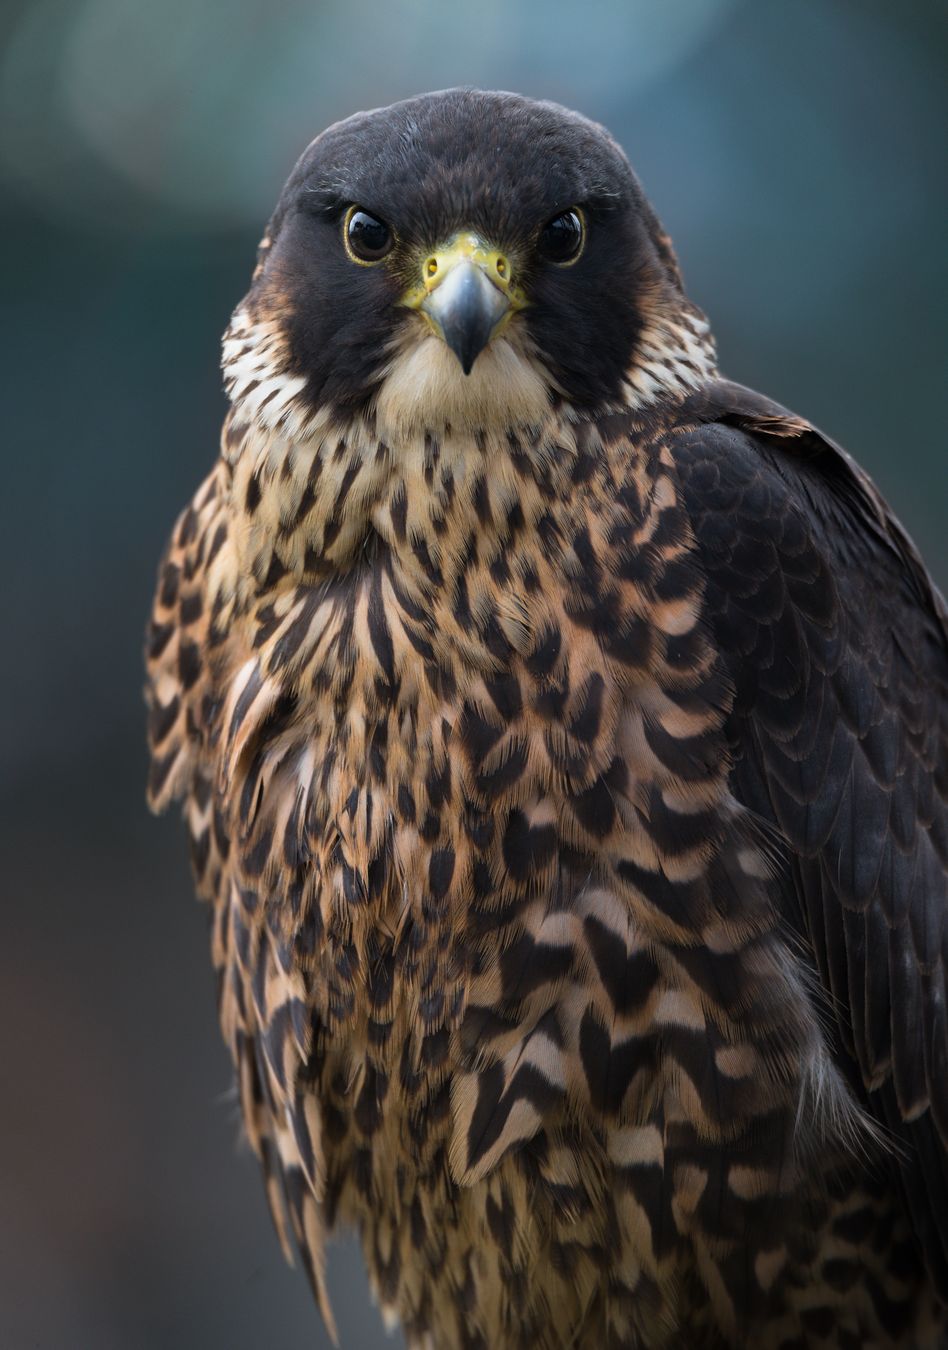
{"x":466,"y":296}
{"x":465,"y":309}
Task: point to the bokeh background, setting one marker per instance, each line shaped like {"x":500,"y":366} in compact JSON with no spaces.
{"x":796,"y":153}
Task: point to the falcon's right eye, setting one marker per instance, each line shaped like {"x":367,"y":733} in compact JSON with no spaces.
{"x":367,"y":239}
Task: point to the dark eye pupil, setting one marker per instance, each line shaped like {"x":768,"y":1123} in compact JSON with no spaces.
{"x":562,"y":237}
{"x":368,"y":237}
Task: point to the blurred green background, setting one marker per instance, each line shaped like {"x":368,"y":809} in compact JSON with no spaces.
{"x":796,"y":153}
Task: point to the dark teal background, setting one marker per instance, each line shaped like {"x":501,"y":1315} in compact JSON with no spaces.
{"x":796,"y":153}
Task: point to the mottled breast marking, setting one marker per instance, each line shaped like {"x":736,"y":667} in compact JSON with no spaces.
{"x":475,"y":768}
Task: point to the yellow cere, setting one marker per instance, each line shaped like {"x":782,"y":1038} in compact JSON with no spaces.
{"x":464,"y":247}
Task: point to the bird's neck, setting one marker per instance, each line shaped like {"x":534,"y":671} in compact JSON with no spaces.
{"x":307,"y":512}
{"x":317,"y":503}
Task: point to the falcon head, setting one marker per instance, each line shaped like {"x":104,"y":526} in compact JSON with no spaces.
{"x":461,"y":258}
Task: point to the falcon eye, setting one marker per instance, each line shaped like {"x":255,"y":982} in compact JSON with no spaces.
{"x":561,"y":241}
{"x":367,"y":238}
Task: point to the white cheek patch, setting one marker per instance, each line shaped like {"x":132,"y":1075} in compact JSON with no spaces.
{"x":426,"y":389}
{"x":255,"y":374}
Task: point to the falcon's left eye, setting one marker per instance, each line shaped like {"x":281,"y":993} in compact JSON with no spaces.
{"x":367,"y":238}
{"x":561,"y":240}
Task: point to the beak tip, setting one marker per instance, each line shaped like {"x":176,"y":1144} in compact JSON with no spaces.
{"x":466,"y":347}
{"x":466,"y":309}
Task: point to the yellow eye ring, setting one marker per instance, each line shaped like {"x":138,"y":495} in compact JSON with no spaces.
{"x":366,"y":239}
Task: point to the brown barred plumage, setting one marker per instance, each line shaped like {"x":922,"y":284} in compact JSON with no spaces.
{"x":542,"y":770}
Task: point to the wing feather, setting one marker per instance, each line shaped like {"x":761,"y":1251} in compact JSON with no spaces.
{"x":836,"y":641}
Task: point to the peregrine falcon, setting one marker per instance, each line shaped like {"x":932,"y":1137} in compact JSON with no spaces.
{"x":562,"y":732}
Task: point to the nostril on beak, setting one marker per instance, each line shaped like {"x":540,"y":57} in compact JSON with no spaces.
{"x":466,"y":307}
